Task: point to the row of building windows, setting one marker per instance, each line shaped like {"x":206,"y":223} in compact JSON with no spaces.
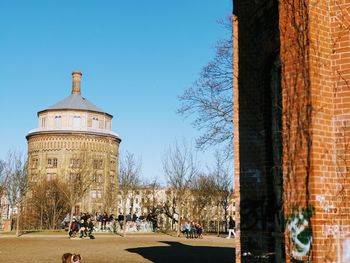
{"x":131,"y":201}
{"x":74,"y":163}
{"x":52,"y":163}
{"x":93,"y":122}
{"x":73,"y":177}
{"x":96,"y":194}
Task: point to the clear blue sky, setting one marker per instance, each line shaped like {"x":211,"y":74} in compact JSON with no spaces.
{"x":136,"y":58}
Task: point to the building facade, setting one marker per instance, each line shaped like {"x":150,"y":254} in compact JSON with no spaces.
{"x":158,"y":200}
{"x":74,"y":141}
{"x":292,"y":62}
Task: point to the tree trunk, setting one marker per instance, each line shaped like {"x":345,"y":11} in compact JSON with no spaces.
{"x":208,"y":222}
{"x":17,"y":223}
{"x":41,"y":217}
{"x":218,"y":229}
{"x":54,"y":218}
{"x":71,"y":218}
{"x":179,"y":221}
{"x":124,"y":220}
{"x":226,"y":213}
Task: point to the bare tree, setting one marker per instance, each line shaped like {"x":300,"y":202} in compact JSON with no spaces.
{"x":48,"y":203}
{"x":150,"y":200}
{"x":170,"y":206}
{"x":222,"y":188}
{"x":2,"y":176}
{"x":80,"y":177}
{"x":16,"y":184}
{"x":179,"y":169}
{"x":2,"y":186}
{"x":203,"y":192}
{"x":210,"y":98}
{"x":129,"y":180}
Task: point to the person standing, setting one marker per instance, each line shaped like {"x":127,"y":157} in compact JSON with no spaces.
{"x":231,"y":227}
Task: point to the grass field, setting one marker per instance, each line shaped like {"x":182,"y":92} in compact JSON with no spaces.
{"x":112,"y":248}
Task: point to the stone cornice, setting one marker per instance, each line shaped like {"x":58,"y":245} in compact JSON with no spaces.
{"x":37,"y":132}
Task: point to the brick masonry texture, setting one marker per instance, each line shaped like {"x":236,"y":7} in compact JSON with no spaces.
{"x":292,"y":126}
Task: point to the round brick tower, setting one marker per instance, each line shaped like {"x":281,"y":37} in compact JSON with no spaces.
{"x":74,"y":137}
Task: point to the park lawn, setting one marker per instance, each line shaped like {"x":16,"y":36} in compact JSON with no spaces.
{"x":114,"y":248}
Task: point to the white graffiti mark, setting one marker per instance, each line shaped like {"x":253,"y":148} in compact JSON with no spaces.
{"x":300,"y":235}
{"x":346,"y":251}
{"x":326,"y":206}
{"x":331,"y":231}
{"x":339,"y":231}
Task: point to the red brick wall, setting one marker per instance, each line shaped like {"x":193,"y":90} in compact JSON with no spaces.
{"x":315,"y":60}
{"x":313,"y":41}
{"x":236,"y":136}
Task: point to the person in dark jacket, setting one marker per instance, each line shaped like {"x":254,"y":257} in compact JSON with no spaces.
{"x":83,"y":228}
{"x":104,"y":221}
{"x":74,"y":228}
{"x":231,"y":227}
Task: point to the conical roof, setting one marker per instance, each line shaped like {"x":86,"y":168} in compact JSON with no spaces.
{"x":75,"y":101}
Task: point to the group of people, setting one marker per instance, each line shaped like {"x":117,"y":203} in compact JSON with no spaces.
{"x":82,"y":227}
{"x":136,"y":223}
{"x":192,"y":230}
{"x":85,"y":223}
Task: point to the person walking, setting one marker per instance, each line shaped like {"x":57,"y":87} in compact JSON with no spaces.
{"x":231,"y":228}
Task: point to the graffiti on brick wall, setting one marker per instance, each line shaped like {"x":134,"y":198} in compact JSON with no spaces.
{"x":300,"y":232}
{"x":335,"y":230}
{"x":326,"y":205}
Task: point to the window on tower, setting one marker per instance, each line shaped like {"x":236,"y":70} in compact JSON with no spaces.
{"x":76,"y":122}
{"x":43,"y":122}
{"x":58,"y":121}
{"x":94,"y":122}
{"x":97,"y":164}
{"x":52,"y":162}
{"x":74,"y":163}
{"x":51,"y":176}
{"x":35,"y":162}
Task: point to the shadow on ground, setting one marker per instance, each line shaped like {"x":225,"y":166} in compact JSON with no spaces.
{"x":177,"y":252}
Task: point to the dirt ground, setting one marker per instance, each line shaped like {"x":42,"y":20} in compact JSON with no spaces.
{"x":110,"y":248}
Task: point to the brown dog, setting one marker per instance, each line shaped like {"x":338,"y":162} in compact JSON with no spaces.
{"x":71,"y":258}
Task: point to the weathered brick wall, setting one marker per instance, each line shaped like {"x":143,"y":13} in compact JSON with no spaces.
{"x":87,"y":147}
{"x":314,"y":40}
{"x":315,"y":81}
